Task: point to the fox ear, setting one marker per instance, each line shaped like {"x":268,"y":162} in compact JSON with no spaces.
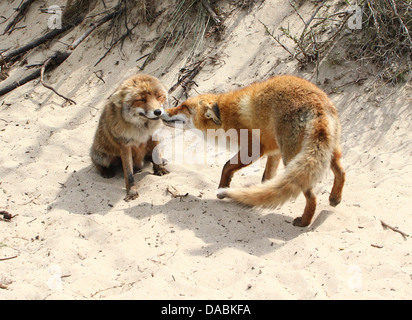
{"x":118,"y":97}
{"x":214,"y":114}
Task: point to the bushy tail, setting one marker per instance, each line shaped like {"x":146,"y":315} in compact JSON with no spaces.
{"x":301,"y":174}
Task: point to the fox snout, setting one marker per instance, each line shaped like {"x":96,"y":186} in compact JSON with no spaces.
{"x":177,"y":115}
{"x":151,"y":114}
{"x":172,"y":120}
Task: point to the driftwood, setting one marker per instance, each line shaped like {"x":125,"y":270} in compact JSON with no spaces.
{"x":20,"y":82}
{"x":7,"y":56}
{"x":52,"y":62}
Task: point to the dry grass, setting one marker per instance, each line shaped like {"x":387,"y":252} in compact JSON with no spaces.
{"x":385,"y":38}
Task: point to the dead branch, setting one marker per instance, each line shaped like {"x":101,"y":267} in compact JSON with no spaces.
{"x":7,"y":56}
{"x":93,"y":27}
{"x":55,"y":60}
{"x":45,"y":64}
{"x":185,"y":79}
{"x":280,"y":43}
{"x":187,"y":75}
{"x":385,"y":39}
{"x":120,"y":39}
{"x":310,"y":20}
{"x":404,"y":27}
{"x":21,"y":12}
{"x":19,"y":83}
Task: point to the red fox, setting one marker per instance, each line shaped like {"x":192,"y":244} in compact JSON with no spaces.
{"x":298,"y":124}
{"x":126,"y":126}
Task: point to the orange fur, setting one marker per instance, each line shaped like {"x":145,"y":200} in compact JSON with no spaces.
{"x":124,"y":133}
{"x":297,"y":122}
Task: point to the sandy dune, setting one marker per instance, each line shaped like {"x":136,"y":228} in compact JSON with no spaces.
{"x":75,"y":238}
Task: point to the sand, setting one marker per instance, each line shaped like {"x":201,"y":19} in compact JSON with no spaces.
{"x":74,"y":237}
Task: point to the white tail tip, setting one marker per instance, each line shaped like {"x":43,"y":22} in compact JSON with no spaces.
{"x":221,"y":193}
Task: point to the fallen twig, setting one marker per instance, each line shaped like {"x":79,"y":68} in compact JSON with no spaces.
{"x":175,"y":194}
{"x":50,"y":60}
{"x":8,"y":258}
{"x":385,"y":225}
{"x":376,"y":246}
{"x":113,"y":287}
{"x":21,"y":11}
{"x":280,"y":43}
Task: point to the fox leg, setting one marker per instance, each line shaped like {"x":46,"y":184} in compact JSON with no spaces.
{"x":138,"y":155}
{"x":155,"y":156}
{"x":233,"y":165}
{"x":309,"y":211}
{"x":272,"y":164}
{"x":106,"y":172}
{"x":336,"y":193}
{"x":127,"y":163}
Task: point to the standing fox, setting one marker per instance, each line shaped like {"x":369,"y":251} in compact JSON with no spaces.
{"x":297,"y":123}
{"x":126,"y":126}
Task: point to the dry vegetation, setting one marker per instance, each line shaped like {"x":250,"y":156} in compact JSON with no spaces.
{"x":383,"y":39}
{"x":183,"y":29}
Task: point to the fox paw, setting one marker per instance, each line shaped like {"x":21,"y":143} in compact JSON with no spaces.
{"x":334,"y":201}
{"x":131,"y":195}
{"x":161,"y":171}
{"x":299,"y":223}
{"x":108,"y":173}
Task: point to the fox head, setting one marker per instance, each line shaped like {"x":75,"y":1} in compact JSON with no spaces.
{"x":140,"y":97}
{"x":201,"y":112}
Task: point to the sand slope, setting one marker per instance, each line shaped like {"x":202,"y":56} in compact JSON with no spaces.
{"x":75,"y":237}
